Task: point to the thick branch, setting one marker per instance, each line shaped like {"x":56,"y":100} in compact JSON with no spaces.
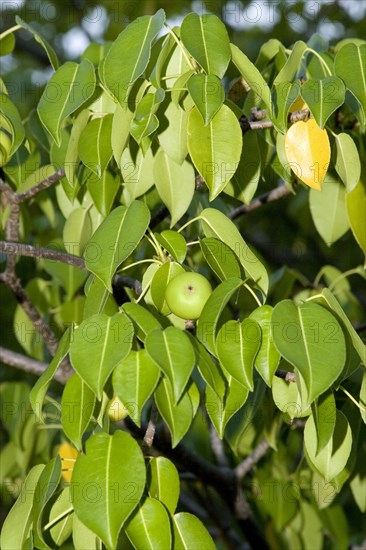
{"x":27,"y":364}
{"x":273,"y":195}
{"x":244,"y":467}
{"x":20,"y":249}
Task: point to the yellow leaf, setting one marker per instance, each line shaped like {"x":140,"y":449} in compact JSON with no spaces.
{"x":68,"y":455}
{"x":298,"y":105}
{"x":307,"y":150}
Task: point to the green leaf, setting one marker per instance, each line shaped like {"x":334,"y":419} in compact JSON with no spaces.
{"x":163,"y":482}
{"x":127,"y":227}
{"x":324,"y":412}
{"x":120,"y":71}
{"x":356,"y":209}
{"x":161,"y":278}
{"x":173,"y":138}
{"x":82,"y":537}
{"x":358,"y":482}
{"x":292,"y":65}
{"x":189,"y":533}
{"x":99,"y":343}
{"x":145,"y":122}
{"x":311,"y":339}
{"x":283,"y":95}
{"x":70,"y":277}
{"x":252,"y":76}
{"x":95,"y":147}
{"x":134,"y":380}
{"x":207,"y":40}
{"x":7,"y":44}
{"x":347,"y":162}
{"x":209,"y":318}
{"x":220,"y":258}
{"x":287,"y":398}
{"x":67,"y":90}
{"x":237,"y":345}
{"x":207,"y":93}
{"x":175,"y":184}
{"x":363,"y":397}
{"x":14,"y":123}
{"x":281,"y":509}
{"x":77,"y":231}
{"x":144,"y":321}
{"x":46,"y":487}
{"x":137,"y":173}
{"x":328,"y":210}
{"x":349,"y":65}
{"x":207,"y":368}
{"x":174,"y":243}
{"x":46,"y":46}
{"x":103,"y":191}
{"x":40,"y":388}
{"x":332,"y":458}
{"x":77,"y":407}
{"x":323,"y":97}
{"x":149,"y":527}
{"x":178,"y":417}
{"x":172,"y":352}
{"x":244,"y":182}
{"x":268,"y":358}
{"x":61,"y":514}
{"x":102,"y":483}
{"x":221,"y":410}
{"x":98,"y":299}
{"x":121,"y":124}
{"x":216,"y":224}
{"x":17,"y":524}
{"x":215,"y":149}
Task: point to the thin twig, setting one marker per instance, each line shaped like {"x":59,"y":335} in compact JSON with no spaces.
{"x":273,"y":195}
{"x":45,"y":184}
{"x":20,"y":249}
{"x":151,"y":427}
{"x":285,"y":375}
{"x":244,"y":467}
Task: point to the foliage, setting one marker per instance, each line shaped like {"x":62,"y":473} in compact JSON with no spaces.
{"x":140,"y":162}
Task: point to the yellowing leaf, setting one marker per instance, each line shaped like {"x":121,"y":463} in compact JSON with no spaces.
{"x":298,"y":105}
{"x":68,"y":455}
{"x":307,"y":150}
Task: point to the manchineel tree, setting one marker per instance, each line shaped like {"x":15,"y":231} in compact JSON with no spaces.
{"x":140,"y":163}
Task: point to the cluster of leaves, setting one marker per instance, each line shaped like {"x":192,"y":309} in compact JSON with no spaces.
{"x":138,"y":130}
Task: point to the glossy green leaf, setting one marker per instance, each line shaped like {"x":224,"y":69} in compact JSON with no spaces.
{"x":332,"y":458}
{"x":143,"y":320}
{"x":120,"y":72}
{"x":207,"y":368}
{"x":174,"y":243}
{"x":70,"y":277}
{"x":283,"y":95}
{"x":46,"y":487}
{"x":72,"y":160}
{"x":358,"y":482}
{"x":328,"y":210}
{"x":362,"y":400}
{"x":99,"y":343}
{"x":145,"y":122}
{"x":173,"y":138}
{"x":102,"y":483}
{"x":7,"y":44}
{"x":324,"y":412}
{"x":121,"y":124}
{"x":67,"y":90}
{"x":349,"y":65}
{"x":61,"y":514}
{"x":163,"y":482}
{"x":311,"y":339}
{"x":46,"y":46}
{"x":323,"y":97}
{"x":83,"y":537}
{"x":175,"y":184}
{"x":77,"y":231}
{"x":244,"y":182}
{"x":216,"y":224}
{"x":207,"y":40}
{"x":356,"y":210}
{"x":161,"y":278}
{"x":267,"y":358}
{"x":281,"y":508}
{"x":17,"y":524}
{"x":103,"y":191}
{"x":77,"y":407}
{"x":127,"y":227}
{"x":207,"y":93}
{"x":347,"y":162}
{"x":237,"y":345}
{"x":98,"y":299}
{"x":220,"y":258}
{"x":40,"y":388}
{"x":134,"y":380}
{"x":287,"y":398}
{"x":14,"y":123}
{"x":221,"y":410}
{"x":137,"y":173}
{"x":209,"y":318}
{"x":178,"y":417}
{"x":215,"y":149}
{"x":95,"y":147}
{"x":172,"y":352}
{"x":189,"y":533}
{"x":149,"y":527}
{"x":293,"y":64}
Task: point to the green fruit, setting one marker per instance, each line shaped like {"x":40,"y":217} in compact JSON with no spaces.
{"x":5,"y":148}
{"x":116,"y":410}
{"x":187,"y":294}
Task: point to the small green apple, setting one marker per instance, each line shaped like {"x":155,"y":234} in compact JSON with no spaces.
{"x":186,"y":295}
{"x":116,"y":410}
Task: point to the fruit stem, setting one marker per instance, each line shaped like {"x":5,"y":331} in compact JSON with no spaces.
{"x":352,"y":398}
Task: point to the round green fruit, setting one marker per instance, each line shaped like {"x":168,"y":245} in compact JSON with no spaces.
{"x":186,"y":295}
{"x":116,"y":410}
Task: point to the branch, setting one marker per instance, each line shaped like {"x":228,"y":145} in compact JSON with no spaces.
{"x":27,"y":364}
{"x":288,"y":376}
{"x":273,"y":195}
{"x":151,"y":427}
{"x":244,"y":467}
{"x":45,"y":184}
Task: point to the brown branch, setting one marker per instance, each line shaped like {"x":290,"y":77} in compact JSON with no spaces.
{"x":285,"y":375}
{"x":151,"y":427}
{"x":273,"y":195}
{"x":27,"y":364}
{"x":20,"y":249}
{"x":45,"y":184}
{"x":244,"y":467}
